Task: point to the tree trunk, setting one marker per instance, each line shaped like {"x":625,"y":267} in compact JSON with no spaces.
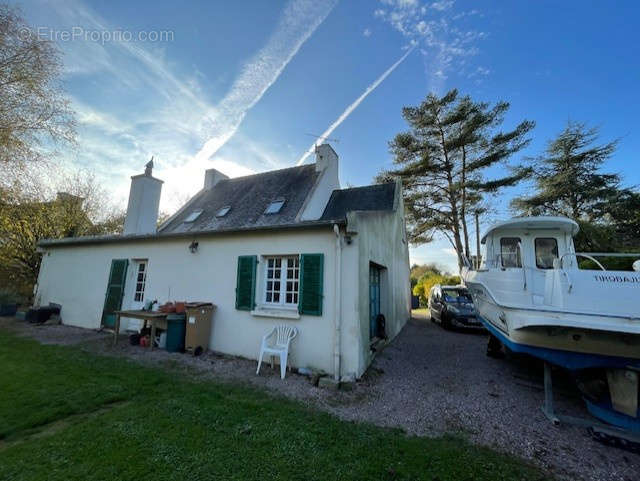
{"x":455,"y":218}
{"x":463,"y":207}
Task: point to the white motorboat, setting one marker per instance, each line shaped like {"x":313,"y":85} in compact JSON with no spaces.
{"x":531,"y":293}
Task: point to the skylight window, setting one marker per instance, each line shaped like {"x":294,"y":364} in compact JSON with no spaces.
{"x":193,"y":216}
{"x":223,"y":211}
{"x":274,"y":207}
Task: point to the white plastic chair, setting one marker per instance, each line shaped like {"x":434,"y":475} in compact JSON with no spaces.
{"x":277,"y":345}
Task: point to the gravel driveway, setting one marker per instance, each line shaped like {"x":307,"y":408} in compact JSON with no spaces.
{"x":428,"y":382}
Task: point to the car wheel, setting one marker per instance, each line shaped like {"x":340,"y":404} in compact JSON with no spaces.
{"x":431,"y":318}
{"x":445,"y":322}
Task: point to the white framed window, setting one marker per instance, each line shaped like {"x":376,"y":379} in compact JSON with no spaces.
{"x":141,"y":280}
{"x":281,"y":281}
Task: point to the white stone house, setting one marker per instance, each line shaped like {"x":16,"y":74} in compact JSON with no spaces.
{"x":286,"y":246}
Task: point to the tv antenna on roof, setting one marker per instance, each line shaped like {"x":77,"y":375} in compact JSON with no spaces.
{"x":337,"y":141}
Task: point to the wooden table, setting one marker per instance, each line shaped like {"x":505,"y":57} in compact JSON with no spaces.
{"x":151,"y":316}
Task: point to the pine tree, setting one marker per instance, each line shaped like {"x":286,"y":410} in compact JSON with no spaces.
{"x":442,"y":161}
{"x":568,"y":178}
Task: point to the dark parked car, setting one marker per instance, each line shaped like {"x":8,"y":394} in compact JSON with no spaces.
{"x":452,"y":306}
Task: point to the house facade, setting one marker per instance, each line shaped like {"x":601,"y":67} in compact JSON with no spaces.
{"x":286,"y":246}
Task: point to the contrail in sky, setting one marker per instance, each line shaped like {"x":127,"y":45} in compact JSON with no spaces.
{"x":355,"y":104}
{"x":298,"y":22}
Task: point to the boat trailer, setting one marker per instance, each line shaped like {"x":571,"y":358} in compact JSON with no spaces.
{"x":604,"y":433}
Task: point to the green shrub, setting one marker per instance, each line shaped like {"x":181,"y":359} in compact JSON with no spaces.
{"x":609,"y":263}
{"x":8,"y":296}
{"x":430,"y":279}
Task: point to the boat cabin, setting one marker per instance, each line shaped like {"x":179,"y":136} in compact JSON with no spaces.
{"x":532,"y":261}
{"x":528,"y":247}
{"x":534,"y":242}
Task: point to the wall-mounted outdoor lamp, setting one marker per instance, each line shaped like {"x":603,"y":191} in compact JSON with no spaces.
{"x":193,"y":247}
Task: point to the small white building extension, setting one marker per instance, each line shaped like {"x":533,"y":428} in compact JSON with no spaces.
{"x":287,"y":246}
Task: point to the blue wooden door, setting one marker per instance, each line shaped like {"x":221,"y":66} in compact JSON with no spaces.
{"x":374,"y":299}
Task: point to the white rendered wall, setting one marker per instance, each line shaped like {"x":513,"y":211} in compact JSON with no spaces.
{"x":76,"y":277}
{"x":380,"y":239}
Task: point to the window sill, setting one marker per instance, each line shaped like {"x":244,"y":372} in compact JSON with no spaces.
{"x":275,"y":312}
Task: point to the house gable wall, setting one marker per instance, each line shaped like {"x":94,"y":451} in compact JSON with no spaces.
{"x":381,"y":239}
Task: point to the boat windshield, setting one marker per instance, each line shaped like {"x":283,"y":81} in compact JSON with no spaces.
{"x":546,"y":252}
{"x":456,"y":295}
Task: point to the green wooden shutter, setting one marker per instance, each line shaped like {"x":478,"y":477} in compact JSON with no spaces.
{"x":311,"y":279}
{"x":115,"y":291}
{"x":246,"y":283}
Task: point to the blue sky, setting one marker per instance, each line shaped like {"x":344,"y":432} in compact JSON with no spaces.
{"x":240,"y":85}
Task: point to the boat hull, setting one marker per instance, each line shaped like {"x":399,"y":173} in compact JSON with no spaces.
{"x":569,"y":340}
{"x":532,"y":293}
{"x":605,"y":412}
{"x":558,"y":351}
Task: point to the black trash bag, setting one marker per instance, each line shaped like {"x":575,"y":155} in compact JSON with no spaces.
{"x":42,"y":314}
{"x":381,"y":325}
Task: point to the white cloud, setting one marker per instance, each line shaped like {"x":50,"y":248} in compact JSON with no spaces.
{"x":421,"y":27}
{"x":432,"y":26}
{"x":366,"y":32}
{"x":148,"y":107}
{"x":299,"y":20}
{"x":401,"y":3}
{"x":479,"y":73}
{"x":468,"y":13}
{"x":442,"y":5}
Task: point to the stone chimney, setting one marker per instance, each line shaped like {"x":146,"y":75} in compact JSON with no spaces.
{"x":327,"y":166}
{"x":212,"y":177}
{"x":144,"y":200}
{"x":326,"y":158}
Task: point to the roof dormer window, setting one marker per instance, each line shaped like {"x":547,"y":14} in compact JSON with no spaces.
{"x":274,"y":207}
{"x":193,"y":216}
{"x":223,"y":211}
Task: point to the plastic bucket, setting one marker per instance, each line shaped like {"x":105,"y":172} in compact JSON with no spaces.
{"x":175,"y":332}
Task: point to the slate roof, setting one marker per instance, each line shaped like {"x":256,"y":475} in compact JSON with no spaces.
{"x":367,"y":198}
{"x":248,"y":198}
{"x":115,"y":238}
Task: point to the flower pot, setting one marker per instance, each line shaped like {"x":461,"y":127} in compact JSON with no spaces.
{"x":168,"y":307}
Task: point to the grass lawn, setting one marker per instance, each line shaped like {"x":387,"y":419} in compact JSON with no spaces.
{"x":69,"y":415}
